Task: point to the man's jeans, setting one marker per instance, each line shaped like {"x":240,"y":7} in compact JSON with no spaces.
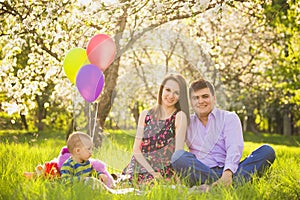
{"x":195,"y":172}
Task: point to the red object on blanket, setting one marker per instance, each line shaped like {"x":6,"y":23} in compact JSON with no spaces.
{"x":51,"y":170}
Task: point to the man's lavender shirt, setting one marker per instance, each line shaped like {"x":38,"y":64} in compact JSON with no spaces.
{"x":219,"y":143}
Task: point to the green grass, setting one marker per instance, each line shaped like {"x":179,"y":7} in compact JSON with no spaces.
{"x":21,"y":151}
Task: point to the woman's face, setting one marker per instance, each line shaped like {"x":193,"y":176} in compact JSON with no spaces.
{"x":170,"y":93}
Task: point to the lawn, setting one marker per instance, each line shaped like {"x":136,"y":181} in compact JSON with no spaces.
{"x":22,"y":151}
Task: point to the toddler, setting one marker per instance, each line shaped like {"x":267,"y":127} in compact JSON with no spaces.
{"x":78,"y":166}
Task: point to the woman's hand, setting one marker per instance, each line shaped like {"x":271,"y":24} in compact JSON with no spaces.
{"x":157,"y":175}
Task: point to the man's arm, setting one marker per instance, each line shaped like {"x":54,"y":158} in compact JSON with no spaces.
{"x":234,"y":145}
{"x":226,"y":178}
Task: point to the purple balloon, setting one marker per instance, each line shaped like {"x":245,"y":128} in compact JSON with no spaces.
{"x":90,"y":81}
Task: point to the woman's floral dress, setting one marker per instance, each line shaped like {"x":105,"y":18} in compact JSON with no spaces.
{"x":158,"y":146}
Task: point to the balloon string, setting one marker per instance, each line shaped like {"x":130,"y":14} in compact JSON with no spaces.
{"x":95,"y":121}
{"x":74,"y":113}
{"x":89,"y":120}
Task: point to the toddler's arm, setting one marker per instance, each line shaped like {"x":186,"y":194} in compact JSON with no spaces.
{"x":100,"y":166}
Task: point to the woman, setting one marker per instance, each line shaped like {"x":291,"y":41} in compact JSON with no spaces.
{"x":161,"y":131}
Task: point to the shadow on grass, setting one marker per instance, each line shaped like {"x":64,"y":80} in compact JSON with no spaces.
{"x":125,"y":138}
{"x":272,"y":139}
{"x":30,"y":137}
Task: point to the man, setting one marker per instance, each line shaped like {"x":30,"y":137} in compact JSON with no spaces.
{"x":215,"y":142}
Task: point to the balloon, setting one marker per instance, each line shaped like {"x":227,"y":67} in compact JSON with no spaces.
{"x":73,"y":61}
{"x":90,"y":81}
{"x":101,"y":51}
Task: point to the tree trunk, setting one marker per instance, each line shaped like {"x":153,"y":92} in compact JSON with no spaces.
{"x":24,"y":122}
{"x":287,"y":123}
{"x":111,"y":74}
{"x":251,"y":125}
{"x":245,"y":123}
{"x":279,"y":125}
{"x":41,"y":113}
{"x":135,"y":112}
{"x":107,"y":97}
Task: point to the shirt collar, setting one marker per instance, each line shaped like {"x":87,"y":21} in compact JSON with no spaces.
{"x":214,"y":112}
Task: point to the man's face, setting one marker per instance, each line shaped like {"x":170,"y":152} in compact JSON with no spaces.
{"x":202,"y":102}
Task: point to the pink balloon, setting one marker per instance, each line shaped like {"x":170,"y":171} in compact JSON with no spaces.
{"x":89,"y":82}
{"x":101,"y":51}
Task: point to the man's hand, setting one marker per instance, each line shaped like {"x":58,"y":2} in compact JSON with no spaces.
{"x":226,"y":178}
{"x":204,"y":188}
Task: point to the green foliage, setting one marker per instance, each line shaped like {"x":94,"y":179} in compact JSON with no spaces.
{"x":277,"y":93}
{"x":277,"y":9}
{"x":286,"y":68}
{"x":10,"y":122}
{"x":21,"y":152}
{"x":57,"y":119}
{"x":253,"y":46}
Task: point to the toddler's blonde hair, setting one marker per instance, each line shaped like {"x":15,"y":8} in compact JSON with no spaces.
{"x":76,"y":140}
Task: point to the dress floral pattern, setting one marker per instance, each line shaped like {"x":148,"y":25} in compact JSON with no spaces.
{"x":158,"y":146}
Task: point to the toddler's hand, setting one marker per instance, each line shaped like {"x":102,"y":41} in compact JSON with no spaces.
{"x":103,"y":178}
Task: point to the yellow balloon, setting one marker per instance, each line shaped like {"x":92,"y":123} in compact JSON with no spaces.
{"x":74,"y":60}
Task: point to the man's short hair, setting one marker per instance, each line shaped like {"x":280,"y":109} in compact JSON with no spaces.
{"x":201,"y":84}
